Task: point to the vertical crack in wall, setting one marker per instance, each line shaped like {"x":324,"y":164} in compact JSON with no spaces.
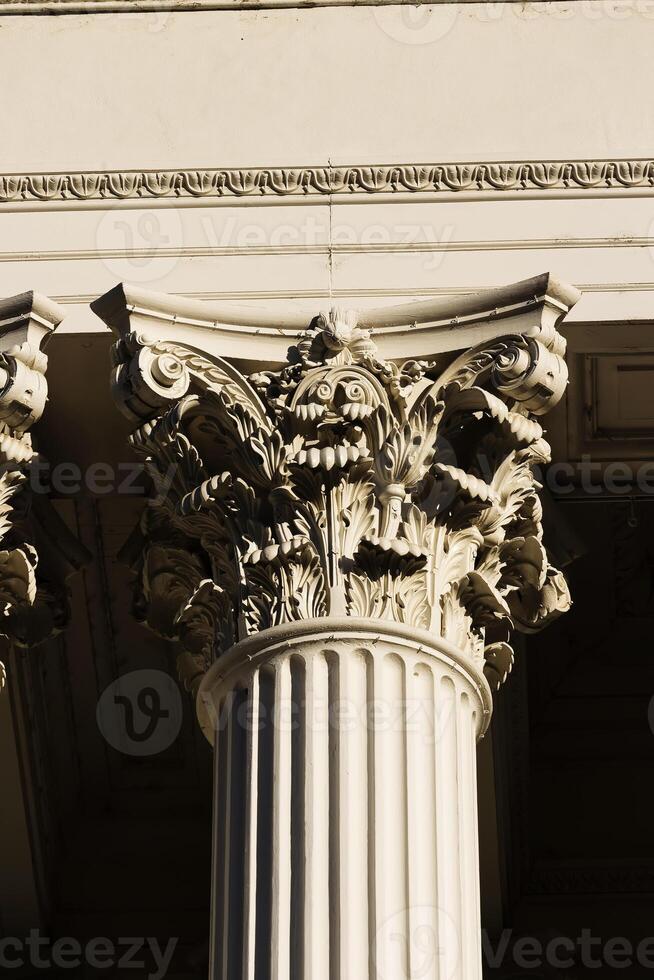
{"x":330,"y":251}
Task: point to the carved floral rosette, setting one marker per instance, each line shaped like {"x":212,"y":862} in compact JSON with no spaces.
{"x":344,"y":485}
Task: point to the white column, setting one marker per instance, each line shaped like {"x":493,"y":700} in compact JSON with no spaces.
{"x":345,"y":831}
{"x":345,"y":804}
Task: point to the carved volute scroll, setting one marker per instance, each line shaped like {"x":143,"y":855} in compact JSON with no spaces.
{"x":343,"y":484}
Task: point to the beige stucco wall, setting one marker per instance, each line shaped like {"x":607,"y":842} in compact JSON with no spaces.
{"x":351,"y":84}
{"x":341,"y":85}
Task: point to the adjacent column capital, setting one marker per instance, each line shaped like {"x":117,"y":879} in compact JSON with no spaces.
{"x":381,"y":467}
{"x":27,"y":321}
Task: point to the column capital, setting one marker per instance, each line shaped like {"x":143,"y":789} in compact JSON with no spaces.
{"x":373,"y":464}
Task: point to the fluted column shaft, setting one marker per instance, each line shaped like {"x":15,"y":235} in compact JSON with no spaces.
{"x":345,"y":805}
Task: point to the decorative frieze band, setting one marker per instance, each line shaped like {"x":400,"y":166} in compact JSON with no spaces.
{"x":277,"y":182}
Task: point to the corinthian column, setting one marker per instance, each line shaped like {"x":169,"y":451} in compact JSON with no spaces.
{"x":340,"y":545}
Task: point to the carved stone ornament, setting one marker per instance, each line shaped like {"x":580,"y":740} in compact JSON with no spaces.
{"x":491,"y":178}
{"x":338,"y":482}
{"x":27,"y":600}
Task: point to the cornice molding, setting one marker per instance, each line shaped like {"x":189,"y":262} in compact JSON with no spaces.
{"x":480,"y":180}
{"x":354,"y":248}
{"x":600,"y":314}
{"x":179,"y":6}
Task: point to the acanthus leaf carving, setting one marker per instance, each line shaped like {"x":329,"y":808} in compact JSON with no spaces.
{"x":341,"y":484}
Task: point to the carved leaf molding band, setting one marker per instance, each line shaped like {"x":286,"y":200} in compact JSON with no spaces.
{"x":521,"y":176}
